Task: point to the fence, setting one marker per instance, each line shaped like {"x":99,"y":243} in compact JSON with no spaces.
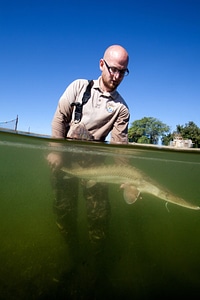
{"x":10,"y":124}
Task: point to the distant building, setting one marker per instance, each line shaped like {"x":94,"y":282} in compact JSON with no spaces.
{"x":179,"y":142}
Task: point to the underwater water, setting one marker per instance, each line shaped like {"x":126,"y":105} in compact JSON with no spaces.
{"x":145,"y":250}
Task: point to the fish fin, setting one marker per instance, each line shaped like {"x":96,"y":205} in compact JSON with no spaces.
{"x":131,"y":193}
{"x":66,"y":171}
{"x":166,"y":205}
{"x":67,"y":177}
{"x":90,"y":183}
{"x":75,"y":165}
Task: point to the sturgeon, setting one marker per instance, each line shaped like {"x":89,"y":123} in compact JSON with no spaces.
{"x":133,"y":182}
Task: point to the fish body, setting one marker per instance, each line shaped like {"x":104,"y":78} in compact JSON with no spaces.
{"x":130,"y":179}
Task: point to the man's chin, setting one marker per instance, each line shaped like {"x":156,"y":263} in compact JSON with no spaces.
{"x":114,"y":84}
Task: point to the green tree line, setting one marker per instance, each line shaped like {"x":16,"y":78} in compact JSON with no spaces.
{"x":149,"y":130}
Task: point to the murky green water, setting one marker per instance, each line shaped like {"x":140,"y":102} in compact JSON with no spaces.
{"x":151,"y":251}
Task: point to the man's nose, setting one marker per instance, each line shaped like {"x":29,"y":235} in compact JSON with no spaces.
{"x":117,"y":75}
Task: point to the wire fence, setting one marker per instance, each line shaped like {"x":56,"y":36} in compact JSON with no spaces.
{"x":10,"y":124}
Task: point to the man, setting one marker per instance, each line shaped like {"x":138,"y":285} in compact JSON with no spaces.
{"x":104,"y":112}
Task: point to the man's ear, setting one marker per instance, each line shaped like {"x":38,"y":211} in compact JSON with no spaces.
{"x":101,"y":63}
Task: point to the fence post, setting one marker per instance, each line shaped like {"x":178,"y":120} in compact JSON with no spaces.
{"x":16,"y":123}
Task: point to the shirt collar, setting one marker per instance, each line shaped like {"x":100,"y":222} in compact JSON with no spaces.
{"x":112,"y":94}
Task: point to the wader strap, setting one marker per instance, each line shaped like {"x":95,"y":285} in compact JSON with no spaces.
{"x":79,"y":106}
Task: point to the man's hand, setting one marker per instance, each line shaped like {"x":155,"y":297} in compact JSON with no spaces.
{"x":54,"y":160}
{"x":79,"y":132}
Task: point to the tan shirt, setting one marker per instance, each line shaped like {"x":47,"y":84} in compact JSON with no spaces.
{"x":103,"y":113}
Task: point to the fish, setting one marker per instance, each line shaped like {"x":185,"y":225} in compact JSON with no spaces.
{"x":133,"y":181}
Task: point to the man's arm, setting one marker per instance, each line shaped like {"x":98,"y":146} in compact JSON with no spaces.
{"x":119,"y":132}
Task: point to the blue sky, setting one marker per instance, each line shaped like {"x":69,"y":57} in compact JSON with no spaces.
{"x":47,"y":44}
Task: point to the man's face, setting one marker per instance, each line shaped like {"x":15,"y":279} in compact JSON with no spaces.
{"x":111,"y":74}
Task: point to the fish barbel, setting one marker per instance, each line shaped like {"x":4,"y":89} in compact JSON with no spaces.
{"x":131,"y":180}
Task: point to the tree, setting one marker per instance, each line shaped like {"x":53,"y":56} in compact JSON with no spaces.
{"x":166,"y":139}
{"x":190,"y":131}
{"x":148,"y":130}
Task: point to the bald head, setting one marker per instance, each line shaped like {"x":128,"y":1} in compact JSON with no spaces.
{"x":117,"y":53}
